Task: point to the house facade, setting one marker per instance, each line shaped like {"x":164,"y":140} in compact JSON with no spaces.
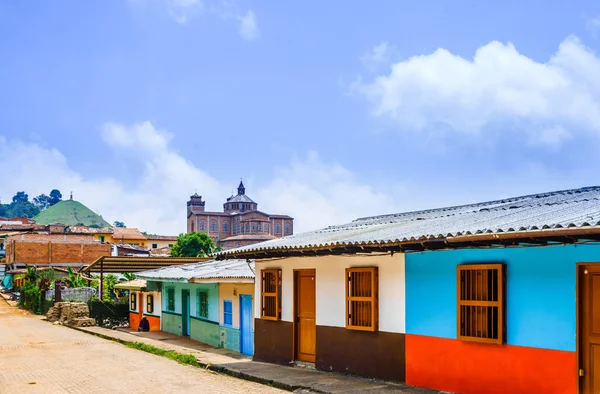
{"x":240,"y":223}
{"x":211,"y":302}
{"x":495,"y":297}
{"x":312,"y":293}
{"x":144,"y":301}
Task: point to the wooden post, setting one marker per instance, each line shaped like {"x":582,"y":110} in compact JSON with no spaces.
{"x":57,"y":292}
{"x":100,"y":285}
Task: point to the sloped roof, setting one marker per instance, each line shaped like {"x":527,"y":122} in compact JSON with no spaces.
{"x":240,"y":198}
{"x":118,"y":264}
{"x":136,"y":284}
{"x":127,"y":233}
{"x":252,"y":237}
{"x":576,"y":209}
{"x":213,"y":269}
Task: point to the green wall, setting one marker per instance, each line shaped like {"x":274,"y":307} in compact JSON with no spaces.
{"x":171,"y":323}
{"x":205,"y":331}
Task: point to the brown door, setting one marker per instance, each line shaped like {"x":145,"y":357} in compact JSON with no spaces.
{"x":589,"y":328}
{"x":141,"y":304}
{"x":305,"y":328}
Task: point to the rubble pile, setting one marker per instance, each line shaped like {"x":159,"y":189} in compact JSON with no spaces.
{"x":74,"y":314}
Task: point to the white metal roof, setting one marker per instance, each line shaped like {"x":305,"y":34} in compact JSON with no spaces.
{"x":552,"y":210}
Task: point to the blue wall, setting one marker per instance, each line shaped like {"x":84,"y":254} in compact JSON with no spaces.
{"x":541,"y":296}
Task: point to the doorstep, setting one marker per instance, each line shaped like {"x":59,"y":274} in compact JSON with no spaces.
{"x":298,"y":379}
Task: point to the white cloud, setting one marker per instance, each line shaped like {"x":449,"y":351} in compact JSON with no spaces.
{"x":499,"y":84}
{"x":181,"y":11}
{"x":323,"y":194}
{"x":592,"y":25}
{"x":185,"y":11}
{"x":376,"y":57}
{"x":316,"y":193}
{"x":249,"y":26}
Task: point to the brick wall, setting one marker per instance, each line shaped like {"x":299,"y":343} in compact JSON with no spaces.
{"x":53,"y":252}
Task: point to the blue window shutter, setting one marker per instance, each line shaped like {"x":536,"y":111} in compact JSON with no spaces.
{"x":227,"y":315}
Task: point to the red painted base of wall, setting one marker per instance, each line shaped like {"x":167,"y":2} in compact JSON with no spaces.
{"x":134,"y":321}
{"x":474,"y":368}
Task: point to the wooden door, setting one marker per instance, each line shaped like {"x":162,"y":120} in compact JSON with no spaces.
{"x":305,"y":319}
{"x":589,"y":328}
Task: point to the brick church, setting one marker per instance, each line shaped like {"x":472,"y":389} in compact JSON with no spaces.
{"x":240,"y":223}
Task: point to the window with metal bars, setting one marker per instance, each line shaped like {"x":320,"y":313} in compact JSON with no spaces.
{"x":133,"y":301}
{"x":481,"y":303}
{"x":202,"y":303}
{"x":171,"y":299}
{"x":362,"y":299}
{"x":270,"y":294}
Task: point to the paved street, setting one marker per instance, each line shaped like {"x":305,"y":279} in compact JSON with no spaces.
{"x":38,"y":357}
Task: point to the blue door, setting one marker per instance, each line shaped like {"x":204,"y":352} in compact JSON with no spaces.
{"x":246,"y":333}
{"x":185,"y":312}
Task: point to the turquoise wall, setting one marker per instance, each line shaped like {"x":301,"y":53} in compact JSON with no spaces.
{"x":213,"y":297}
{"x":205,"y":331}
{"x":230,"y":338}
{"x":171,"y":322}
{"x":540,"y":292}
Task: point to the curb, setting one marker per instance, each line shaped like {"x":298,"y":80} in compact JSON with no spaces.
{"x":218,"y":368}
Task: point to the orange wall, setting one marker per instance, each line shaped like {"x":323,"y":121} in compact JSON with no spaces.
{"x":134,"y":321}
{"x":474,"y":368}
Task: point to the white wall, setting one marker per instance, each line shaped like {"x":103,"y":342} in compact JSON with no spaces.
{"x":330,"y":287}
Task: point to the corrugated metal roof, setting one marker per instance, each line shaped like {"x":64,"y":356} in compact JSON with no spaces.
{"x":118,"y":264}
{"x":213,"y":269}
{"x":552,"y":210}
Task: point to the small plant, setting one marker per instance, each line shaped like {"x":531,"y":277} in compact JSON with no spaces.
{"x":181,"y":358}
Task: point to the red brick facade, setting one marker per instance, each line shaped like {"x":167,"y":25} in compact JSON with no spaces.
{"x":240,"y":223}
{"x":53,"y":252}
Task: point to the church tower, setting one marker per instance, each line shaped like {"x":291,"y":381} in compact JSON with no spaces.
{"x":195,"y":204}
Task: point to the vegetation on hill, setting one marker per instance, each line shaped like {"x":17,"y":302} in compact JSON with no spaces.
{"x":71,"y":213}
{"x":22,"y":207}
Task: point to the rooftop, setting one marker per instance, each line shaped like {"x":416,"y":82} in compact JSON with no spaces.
{"x":121,"y":233}
{"x":213,"y":269}
{"x":576,"y":211}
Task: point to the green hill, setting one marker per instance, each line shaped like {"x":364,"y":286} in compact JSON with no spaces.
{"x":70,"y":213}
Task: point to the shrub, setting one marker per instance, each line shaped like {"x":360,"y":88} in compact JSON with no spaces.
{"x":109,"y":314}
{"x":31,"y":298}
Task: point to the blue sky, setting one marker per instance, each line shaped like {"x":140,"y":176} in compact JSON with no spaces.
{"x":329,"y":110}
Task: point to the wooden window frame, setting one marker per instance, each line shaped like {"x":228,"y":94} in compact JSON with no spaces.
{"x":133,"y":301}
{"x":149,"y":303}
{"x":373,"y":299}
{"x":277,"y":294}
{"x":500,"y":284}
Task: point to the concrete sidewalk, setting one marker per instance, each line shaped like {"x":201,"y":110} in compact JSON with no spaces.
{"x":297,"y":379}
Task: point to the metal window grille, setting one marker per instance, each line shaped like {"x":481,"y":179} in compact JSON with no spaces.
{"x":270,"y":294}
{"x":480,"y":303}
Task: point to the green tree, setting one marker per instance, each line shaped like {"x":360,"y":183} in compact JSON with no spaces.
{"x":55,"y":196}
{"x":22,"y":209}
{"x":75,"y":279}
{"x":20,"y":197}
{"x":128,"y":276}
{"x":42,"y":201}
{"x":193,"y":245}
{"x":119,"y":224}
